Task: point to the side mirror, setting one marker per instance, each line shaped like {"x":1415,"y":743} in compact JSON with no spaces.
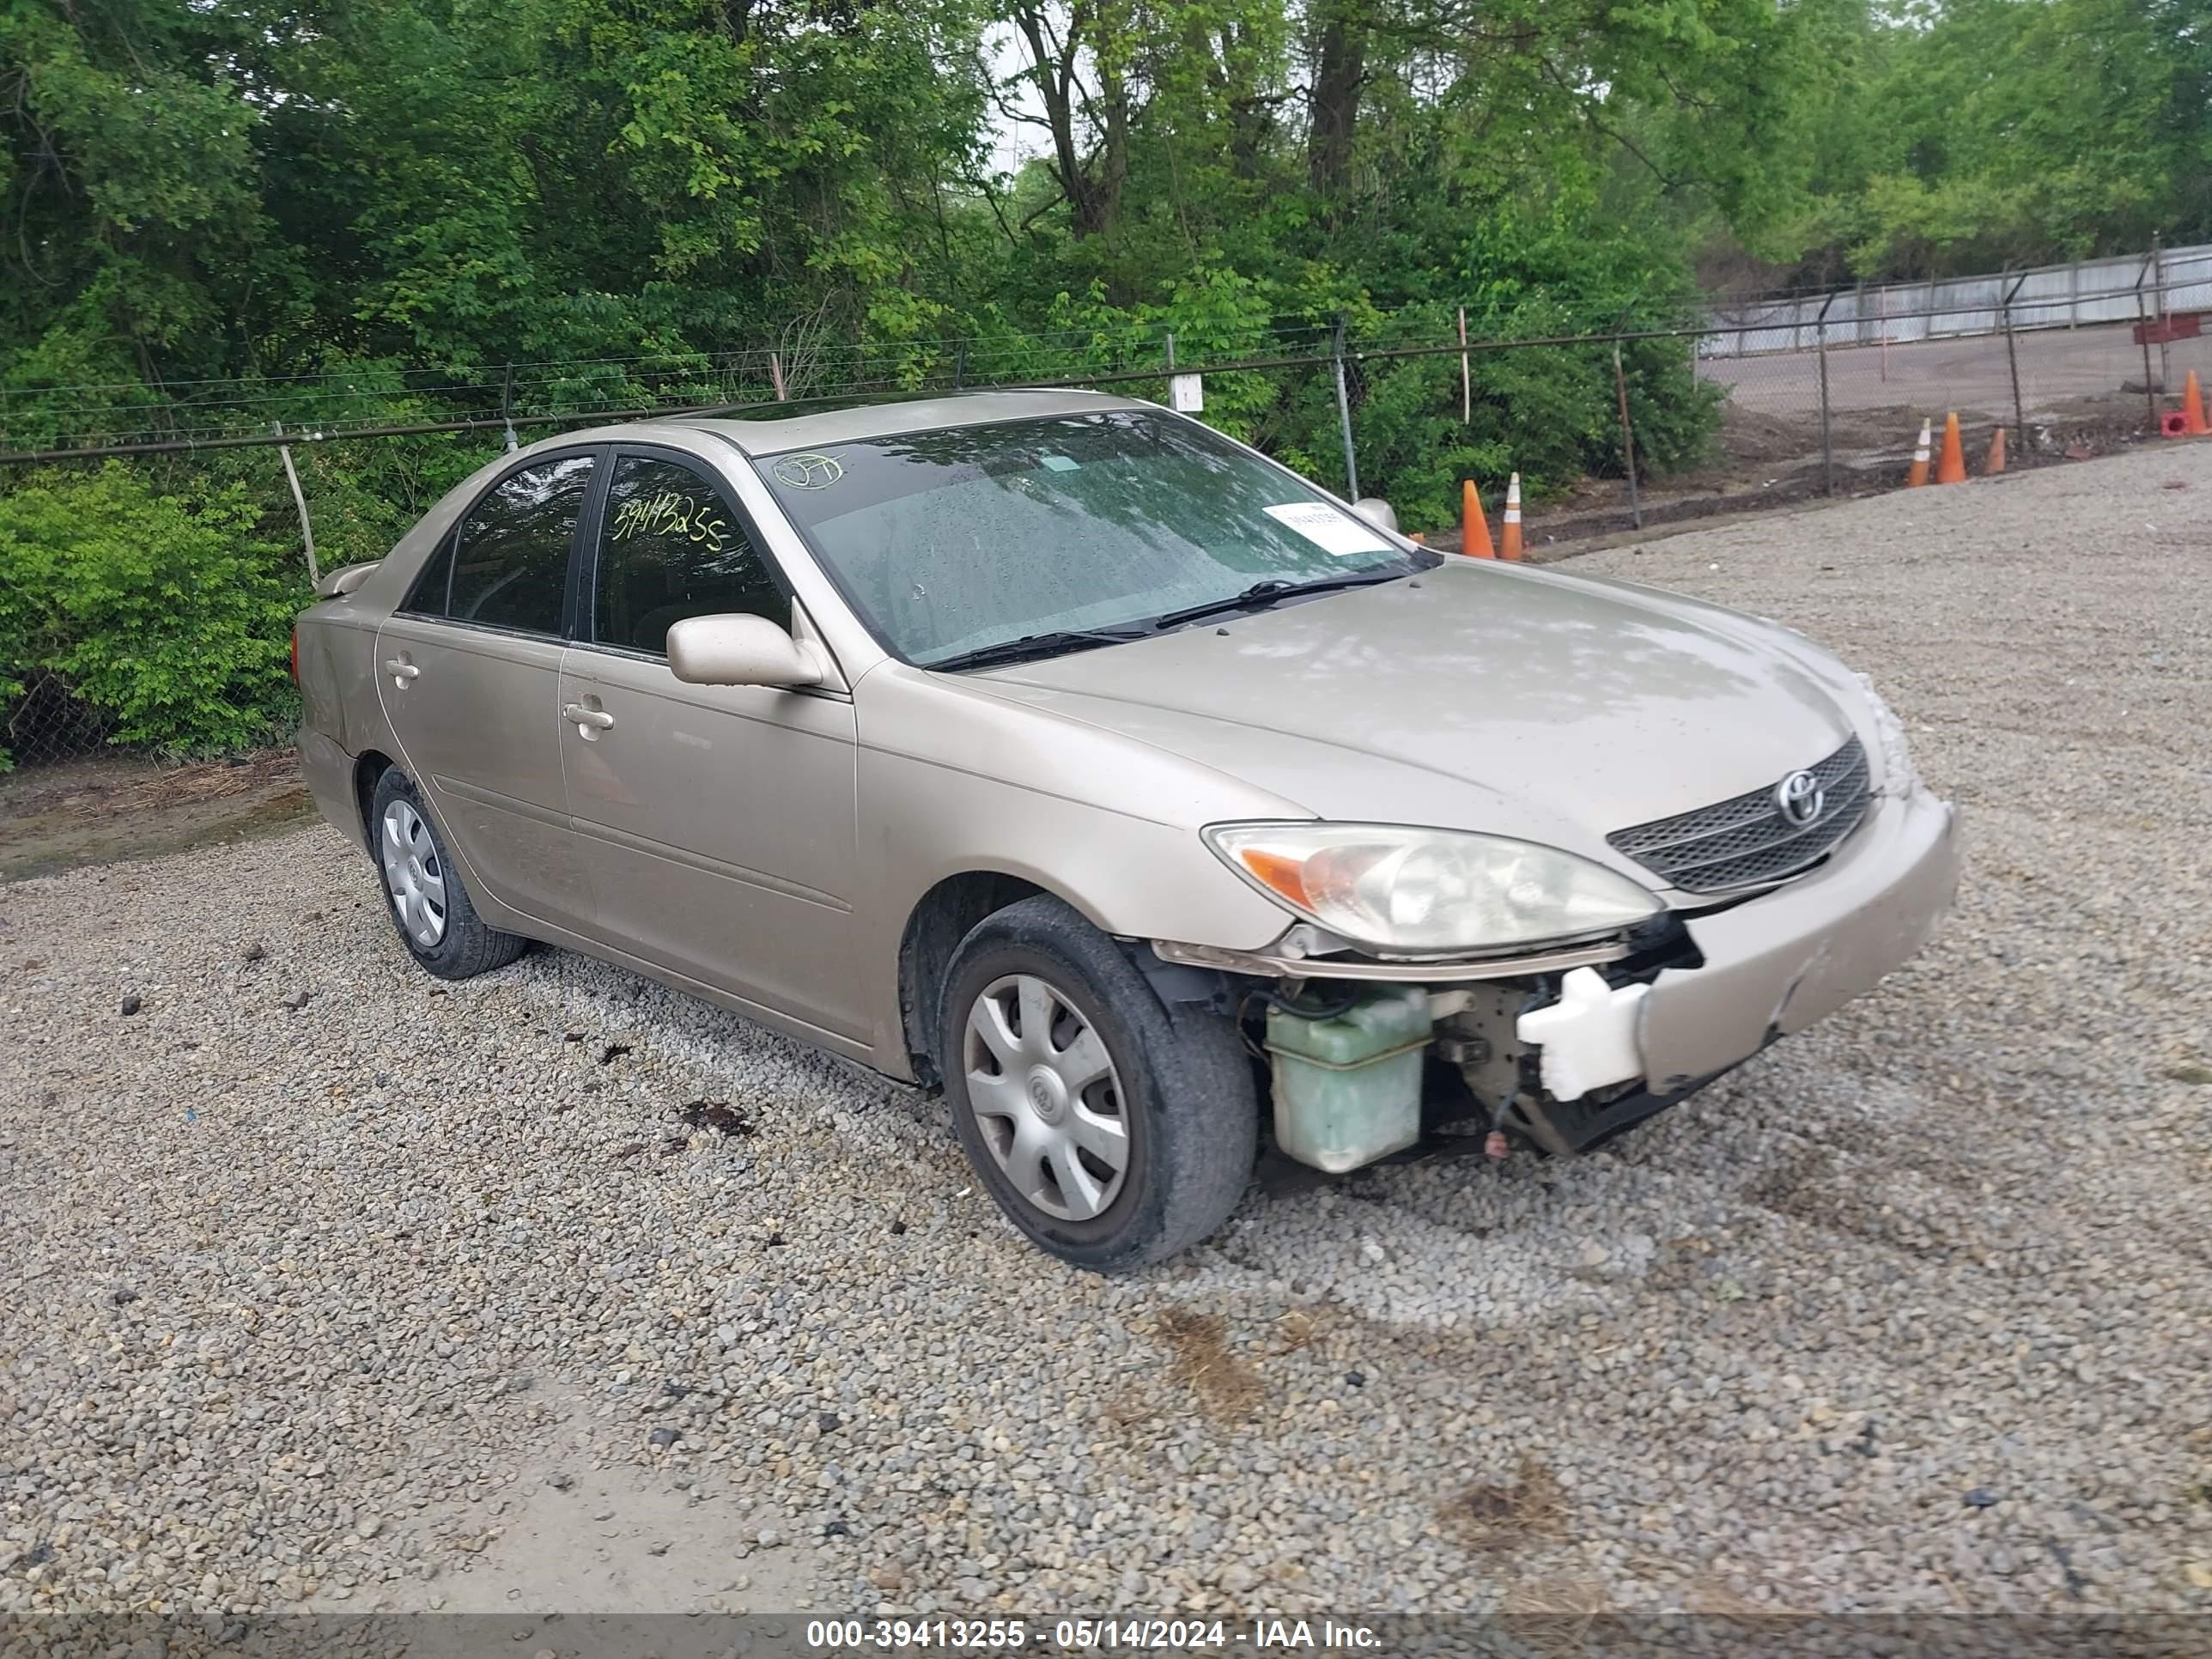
{"x":738,"y":650}
{"x":1376,"y":511}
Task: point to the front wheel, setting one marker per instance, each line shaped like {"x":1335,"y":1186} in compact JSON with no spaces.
{"x":1113,"y":1129}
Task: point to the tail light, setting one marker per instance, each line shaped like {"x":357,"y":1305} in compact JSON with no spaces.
{"x":296,"y":654}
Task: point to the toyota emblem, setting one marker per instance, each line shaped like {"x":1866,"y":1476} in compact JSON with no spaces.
{"x":808,"y":471}
{"x":1799,"y":797}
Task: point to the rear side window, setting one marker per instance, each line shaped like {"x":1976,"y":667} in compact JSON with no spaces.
{"x":671,"y":546}
{"x":428,"y":598}
{"x":510,"y":565}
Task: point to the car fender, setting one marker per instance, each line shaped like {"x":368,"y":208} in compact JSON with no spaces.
{"x":952,"y":780}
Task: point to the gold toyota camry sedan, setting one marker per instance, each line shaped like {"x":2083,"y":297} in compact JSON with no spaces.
{"x":1051,"y":750}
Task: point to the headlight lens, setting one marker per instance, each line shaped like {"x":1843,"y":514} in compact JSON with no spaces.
{"x":1897,"y":777}
{"x":1425,"y":891}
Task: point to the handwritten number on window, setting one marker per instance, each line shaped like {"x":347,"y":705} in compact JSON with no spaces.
{"x":671,"y":514}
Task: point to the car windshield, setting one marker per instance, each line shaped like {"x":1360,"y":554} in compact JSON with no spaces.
{"x":956,"y":541}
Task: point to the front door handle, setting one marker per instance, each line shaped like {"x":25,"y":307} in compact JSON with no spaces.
{"x":589,"y":718}
{"x":401,"y":670}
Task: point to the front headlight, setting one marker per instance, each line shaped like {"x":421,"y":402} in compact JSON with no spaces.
{"x":1898,"y":779}
{"x":1427,"y":890}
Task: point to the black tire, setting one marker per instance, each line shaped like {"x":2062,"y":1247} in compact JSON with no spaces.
{"x":1186,"y":1095}
{"x":467,"y":947}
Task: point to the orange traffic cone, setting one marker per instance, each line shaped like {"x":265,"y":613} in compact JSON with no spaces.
{"x":1509,"y":543}
{"x":1474,"y":528}
{"x":1995,"y":462}
{"x":1951,"y":464}
{"x":1918,"y":476}
{"x":2192,"y":407}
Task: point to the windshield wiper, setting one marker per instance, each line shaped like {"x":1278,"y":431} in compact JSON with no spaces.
{"x":1261,"y":594}
{"x":1031,"y":647}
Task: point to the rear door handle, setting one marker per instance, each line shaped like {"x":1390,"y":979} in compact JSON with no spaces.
{"x":400,"y":670}
{"x":581,"y":715}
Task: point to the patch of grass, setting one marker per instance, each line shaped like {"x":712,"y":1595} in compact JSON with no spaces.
{"x":1549,"y":1616}
{"x":1298,"y":1327}
{"x":1226,"y":1385}
{"x":1488,"y":1518}
{"x":2190,"y":1071}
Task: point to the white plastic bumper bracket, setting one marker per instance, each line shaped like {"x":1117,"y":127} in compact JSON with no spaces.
{"x":1587,"y":1039}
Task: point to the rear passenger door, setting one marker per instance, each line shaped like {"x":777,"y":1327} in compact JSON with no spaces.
{"x":469,"y":671}
{"x":718,"y":819}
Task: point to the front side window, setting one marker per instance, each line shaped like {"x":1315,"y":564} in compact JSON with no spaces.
{"x":671,"y":546}
{"x":511,"y":561}
{"x":957,"y":541}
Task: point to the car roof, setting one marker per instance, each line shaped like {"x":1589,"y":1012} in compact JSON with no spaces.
{"x":773,"y":428}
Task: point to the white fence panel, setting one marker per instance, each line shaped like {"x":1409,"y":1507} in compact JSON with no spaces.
{"x":2084,"y":293}
{"x":2108,"y":290}
{"x":2188,"y":273}
{"x":1966,"y":305}
{"x":2045,"y":299}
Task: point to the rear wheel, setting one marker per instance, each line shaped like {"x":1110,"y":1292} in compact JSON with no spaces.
{"x":1113,"y":1129}
{"x":429,"y":901}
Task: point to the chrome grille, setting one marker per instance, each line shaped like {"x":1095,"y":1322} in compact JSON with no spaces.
{"x":1746,"y":840}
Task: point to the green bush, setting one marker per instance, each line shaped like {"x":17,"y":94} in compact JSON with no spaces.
{"x":165,"y":612}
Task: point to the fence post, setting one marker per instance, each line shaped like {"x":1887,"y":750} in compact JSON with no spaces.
{"x":2150,"y":397}
{"x":300,"y":500}
{"x":506,"y":408}
{"x":1827,"y":439}
{"x":2165,"y":351}
{"x":2011,"y":363}
{"x":1344,"y":414}
{"x":1466,"y":375}
{"x":1627,"y":435}
{"x":960,"y":366}
{"x":1170,"y":351}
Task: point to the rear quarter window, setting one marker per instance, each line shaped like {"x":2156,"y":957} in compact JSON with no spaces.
{"x":507,"y":563}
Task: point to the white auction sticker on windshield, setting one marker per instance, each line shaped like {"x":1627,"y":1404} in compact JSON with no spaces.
{"x":1327,"y":528}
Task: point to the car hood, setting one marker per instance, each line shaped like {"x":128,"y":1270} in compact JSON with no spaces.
{"x":1477,"y":695}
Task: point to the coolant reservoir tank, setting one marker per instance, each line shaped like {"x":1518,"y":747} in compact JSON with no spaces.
{"x":1348,"y":1088}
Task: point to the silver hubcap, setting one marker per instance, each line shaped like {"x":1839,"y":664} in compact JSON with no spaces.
{"x":1046,"y":1096}
{"x":413,"y":876}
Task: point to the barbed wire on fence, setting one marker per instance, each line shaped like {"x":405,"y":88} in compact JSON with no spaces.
{"x":77,"y":422}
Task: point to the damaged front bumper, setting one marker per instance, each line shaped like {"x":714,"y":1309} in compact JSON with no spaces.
{"x":1776,"y":963}
{"x":1571,"y":1047}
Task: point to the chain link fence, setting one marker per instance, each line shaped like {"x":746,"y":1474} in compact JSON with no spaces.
{"x":1612,"y":426}
{"x":47,"y":722}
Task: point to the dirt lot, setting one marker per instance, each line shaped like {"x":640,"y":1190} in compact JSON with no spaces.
{"x":2081,"y":395}
{"x":2058,"y":366}
{"x":107,"y":807}
{"x":328,"y":1286}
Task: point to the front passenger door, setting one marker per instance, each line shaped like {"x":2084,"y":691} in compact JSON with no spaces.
{"x":719,"y":820}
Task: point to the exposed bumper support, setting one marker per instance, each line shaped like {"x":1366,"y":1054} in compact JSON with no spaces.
{"x":1587,"y":1039}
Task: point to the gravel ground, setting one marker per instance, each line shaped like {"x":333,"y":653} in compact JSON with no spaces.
{"x":305,"y":1302}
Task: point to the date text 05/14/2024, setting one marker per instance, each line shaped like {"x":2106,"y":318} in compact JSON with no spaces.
{"x":1085,"y":1635}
